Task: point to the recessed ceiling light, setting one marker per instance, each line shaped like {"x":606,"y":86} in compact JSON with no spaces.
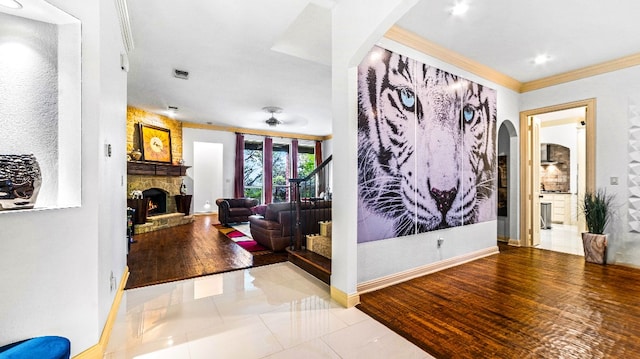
{"x":541,"y":59}
{"x":459,"y":9}
{"x":12,"y":4}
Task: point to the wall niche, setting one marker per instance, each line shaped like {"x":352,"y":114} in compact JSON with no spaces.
{"x":40,"y":82}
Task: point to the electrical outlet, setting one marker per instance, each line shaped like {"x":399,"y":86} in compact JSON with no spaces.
{"x":613,"y":181}
{"x":440,"y":241}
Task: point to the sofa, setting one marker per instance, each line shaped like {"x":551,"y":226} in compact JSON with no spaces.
{"x":274,"y":230}
{"x":231,"y":210}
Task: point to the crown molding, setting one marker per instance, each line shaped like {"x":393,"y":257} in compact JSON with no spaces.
{"x":125,"y":25}
{"x":589,"y":71}
{"x":423,"y":45}
{"x":249,"y":131}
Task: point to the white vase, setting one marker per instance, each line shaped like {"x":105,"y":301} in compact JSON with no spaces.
{"x":20,"y":181}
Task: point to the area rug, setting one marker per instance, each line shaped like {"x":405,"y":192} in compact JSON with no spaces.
{"x":233,"y":234}
{"x":240,"y":234}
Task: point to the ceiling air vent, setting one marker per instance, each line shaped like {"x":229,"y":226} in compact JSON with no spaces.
{"x":181,"y":74}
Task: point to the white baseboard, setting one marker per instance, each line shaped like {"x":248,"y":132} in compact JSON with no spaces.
{"x":400,"y":277}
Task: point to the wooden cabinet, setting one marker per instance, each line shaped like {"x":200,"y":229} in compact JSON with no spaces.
{"x":155,"y":169}
{"x":560,"y":206}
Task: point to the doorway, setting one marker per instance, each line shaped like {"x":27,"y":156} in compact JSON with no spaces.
{"x":207,"y":176}
{"x":550,"y":193}
{"x":507,"y":183}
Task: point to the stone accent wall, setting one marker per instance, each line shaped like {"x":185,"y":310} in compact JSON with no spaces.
{"x":169,"y":184}
{"x":136,"y":115}
{"x":557,"y":177}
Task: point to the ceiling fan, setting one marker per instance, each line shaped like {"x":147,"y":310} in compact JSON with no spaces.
{"x":272,"y":121}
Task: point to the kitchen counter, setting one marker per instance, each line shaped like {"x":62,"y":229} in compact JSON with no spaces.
{"x":561,"y":205}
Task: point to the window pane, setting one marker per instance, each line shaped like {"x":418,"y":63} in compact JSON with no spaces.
{"x":281,"y":173}
{"x":306,"y":165}
{"x":253,"y":170}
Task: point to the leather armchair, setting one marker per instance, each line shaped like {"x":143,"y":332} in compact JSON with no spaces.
{"x":276,"y":229}
{"x":231,"y":210}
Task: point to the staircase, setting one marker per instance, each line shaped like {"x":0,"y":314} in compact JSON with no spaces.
{"x":316,"y":257}
{"x":311,"y":252}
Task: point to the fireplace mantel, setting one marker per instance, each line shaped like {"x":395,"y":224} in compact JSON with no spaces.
{"x":155,"y":169}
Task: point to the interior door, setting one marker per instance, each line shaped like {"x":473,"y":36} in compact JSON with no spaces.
{"x":530,"y":165}
{"x":535,"y":183}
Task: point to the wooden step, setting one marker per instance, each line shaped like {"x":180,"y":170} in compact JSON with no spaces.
{"x":315,"y":264}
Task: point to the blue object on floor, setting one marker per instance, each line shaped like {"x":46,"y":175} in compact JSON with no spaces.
{"x":49,"y":347}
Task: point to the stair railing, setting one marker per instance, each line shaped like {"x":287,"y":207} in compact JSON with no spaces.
{"x":310,"y":192}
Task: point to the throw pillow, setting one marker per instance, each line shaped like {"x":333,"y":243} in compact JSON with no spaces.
{"x":259,"y":209}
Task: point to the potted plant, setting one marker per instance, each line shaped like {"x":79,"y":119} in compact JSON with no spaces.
{"x":597,"y":210}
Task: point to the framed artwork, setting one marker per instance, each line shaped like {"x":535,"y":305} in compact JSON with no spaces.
{"x":155,"y":143}
{"x":502,"y":186}
{"x":426,"y":148}
{"x":502,"y":171}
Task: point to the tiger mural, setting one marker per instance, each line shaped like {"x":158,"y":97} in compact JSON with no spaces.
{"x":426,"y":146}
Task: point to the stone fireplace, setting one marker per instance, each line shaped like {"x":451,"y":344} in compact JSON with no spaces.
{"x":157,"y":201}
{"x":161,"y":189}
{"x":169,"y":185}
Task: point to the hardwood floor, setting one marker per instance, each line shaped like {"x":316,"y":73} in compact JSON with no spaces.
{"x":521,"y":303}
{"x":187,"y":251}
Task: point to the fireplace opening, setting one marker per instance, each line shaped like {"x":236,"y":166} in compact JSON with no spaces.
{"x":157,"y":201}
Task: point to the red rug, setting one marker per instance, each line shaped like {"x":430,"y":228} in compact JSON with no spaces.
{"x":235,"y":234}
{"x":251,"y":246}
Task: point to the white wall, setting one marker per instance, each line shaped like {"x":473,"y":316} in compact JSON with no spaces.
{"x":54,"y":263}
{"x":365,"y":23}
{"x":381,"y":258}
{"x":112,"y":240}
{"x":612,"y":92}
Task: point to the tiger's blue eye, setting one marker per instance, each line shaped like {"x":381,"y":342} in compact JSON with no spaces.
{"x":407,"y":97}
{"x":468,"y":113}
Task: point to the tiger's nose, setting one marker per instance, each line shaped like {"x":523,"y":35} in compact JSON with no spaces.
{"x":444,"y":198}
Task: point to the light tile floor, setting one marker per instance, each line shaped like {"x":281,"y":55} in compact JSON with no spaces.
{"x":562,"y":238}
{"x":275,"y":311}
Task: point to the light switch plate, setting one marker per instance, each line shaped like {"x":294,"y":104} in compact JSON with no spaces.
{"x":613,"y":181}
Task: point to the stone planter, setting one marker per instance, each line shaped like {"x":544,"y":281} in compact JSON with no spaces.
{"x":20,"y":181}
{"x":595,"y":247}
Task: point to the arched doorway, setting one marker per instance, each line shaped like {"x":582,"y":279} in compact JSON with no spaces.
{"x":508,"y":155}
